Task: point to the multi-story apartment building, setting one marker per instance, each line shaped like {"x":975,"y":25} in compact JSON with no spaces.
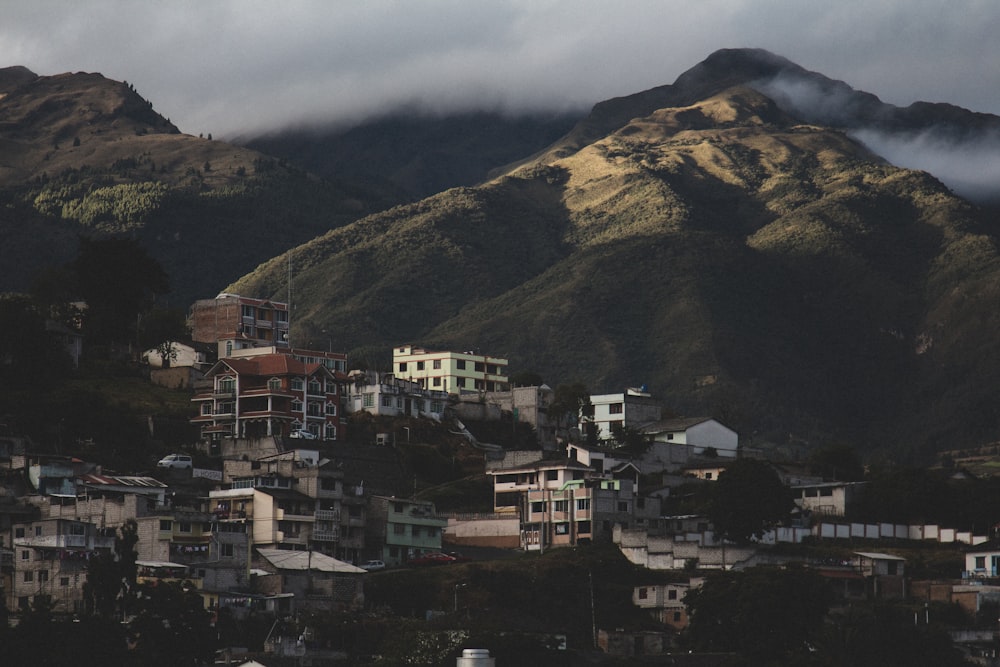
{"x":269,"y":395}
{"x":451,"y":372}
{"x":235,"y":322}
{"x":50,"y":560}
{"x":529,"y":405}
{"x":388,"y":395}
{"x":633,"y":409}
{"x":400,"y":529}
{"x":292,"y":500}
{"x":563,"y":502}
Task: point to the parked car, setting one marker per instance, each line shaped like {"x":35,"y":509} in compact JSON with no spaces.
{"x":372,"y":565}
{"x":459,"y":558}
{"x":305,"y":435}
{"x":432,"y":558}
{"x":176,"y":461}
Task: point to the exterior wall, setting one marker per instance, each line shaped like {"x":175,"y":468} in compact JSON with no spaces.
{"x":632,"y":409}
{"x":982,"y":563}
{"x":175,"y":377}
{"x":498,"y":530}
{"x":239,"y":321}
{"x":827,"y":499}
{"x":529,"y":405}
{"x":50,"y":558}
{"x":452,"y":372}
{"x":269,"y":395}
{"x":385,"y":394}
{"x":713,"y":434}
{"x":403,"y":529}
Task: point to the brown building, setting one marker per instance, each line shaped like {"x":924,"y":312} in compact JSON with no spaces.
{"x":236,"y":322}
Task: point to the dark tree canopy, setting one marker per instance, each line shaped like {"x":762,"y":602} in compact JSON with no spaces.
{"x":767,"y":615}
{"x":747,"y":500}
{"x":117,"y":279}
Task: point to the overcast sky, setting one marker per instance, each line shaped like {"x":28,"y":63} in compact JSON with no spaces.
{"x":241,"y":66}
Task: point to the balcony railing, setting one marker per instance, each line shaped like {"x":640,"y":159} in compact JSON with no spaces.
{"x":326,"y":535}
{"x":328,"y":515}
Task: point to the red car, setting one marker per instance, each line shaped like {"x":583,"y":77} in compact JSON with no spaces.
{"x":433,"y":558}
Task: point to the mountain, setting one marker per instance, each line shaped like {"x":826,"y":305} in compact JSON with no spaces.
{"x":409,"y":155}
{"x":723,"y":240}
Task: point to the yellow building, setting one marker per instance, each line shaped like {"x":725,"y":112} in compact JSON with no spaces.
{"x":453,"y":372}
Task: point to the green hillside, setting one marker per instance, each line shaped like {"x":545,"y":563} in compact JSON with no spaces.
{"x":738,"y":260}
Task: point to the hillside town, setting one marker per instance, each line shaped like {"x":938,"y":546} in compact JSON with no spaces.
{"x":276,"y":510}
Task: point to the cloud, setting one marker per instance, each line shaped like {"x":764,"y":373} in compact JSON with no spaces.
{"x":969,"y":166}
{"x":241,"y":66}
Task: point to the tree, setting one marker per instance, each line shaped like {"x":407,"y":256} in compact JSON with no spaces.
{"x":747,"y":500}
{"x":569,"y":402}
{"x":111,"y":576}
{"x":837,"y":462}
{"x":172,"y":626}
{"x":767,"y":615}
{"x":118,"y":280}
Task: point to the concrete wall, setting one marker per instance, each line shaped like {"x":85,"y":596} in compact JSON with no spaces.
{"x":496,"y":531}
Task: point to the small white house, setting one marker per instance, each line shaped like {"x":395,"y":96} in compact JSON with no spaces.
{"x":700,"y":435}
{"x":983,"y":561}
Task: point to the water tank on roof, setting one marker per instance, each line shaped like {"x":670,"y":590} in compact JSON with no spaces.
{"x":475,"y":657}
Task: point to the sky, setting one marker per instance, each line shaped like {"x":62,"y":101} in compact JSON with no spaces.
{"x":242,"y":67}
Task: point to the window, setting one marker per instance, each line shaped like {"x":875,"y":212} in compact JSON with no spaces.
{"x":437,"y":364}
{"x":551,"y":475}
{"x":708,"y":475}
{"x":491,"y":369}
{"x":398,"y":529}
{"x":281,"y":316}
{"x":25,"y":555}
{"x":397,"y":507}
{"x":29,"y":576}
{"x":623,"y":506}
{"x":480,"y":367}
{"x":64,"y":581}
{"x":315,"y":387}
{"x":420,"y":365}
{"x":296,"y":384}
{"x":227,"y":384}
{"x":583,"y":527}
{"x":402,"y":367}
{"x":538,"y":507}
{"x":166,"y":524}
{"x":77,"y":529}
{"x":672,"y":594}
{"x":677,"y":617}
{"x":616,"y":409}
{"x":432,"y":531}
{"x":38,"y":531}
{"x":399,"y":403}
{"x":19,"y":532}
{"x":436,"y":382}
{"x":330,"y":432}
{"x":562,"y":529}
{"x":331,"y":387}
{"x":331,"y":409}
{"x":248,"y":311}
{"x":460,"y":364}
{"x":315,"y":409}
{"x":387,"y":401}
{"x":561,"y":506}
{"x":185,"y":527}
{"x":416,"y":531}
{"x":43,"y":576}
{"x":583,"y":504}
{"x":437,"y":407}
{"x":206,"y":408}
{"x":980,"y":562}
{"x":225,"y":408}
{"x":296,"y":406}
{"x":227,"y":550}
{"x":643,"y":594}
{"x":274,"y":384}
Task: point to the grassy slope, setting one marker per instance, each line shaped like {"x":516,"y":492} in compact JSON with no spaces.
{"x":774,"y":274}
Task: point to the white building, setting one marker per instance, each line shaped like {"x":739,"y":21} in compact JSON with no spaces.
{"x":699,"y":435}
{"x":633,"y":409}
{"x":387,"y":395}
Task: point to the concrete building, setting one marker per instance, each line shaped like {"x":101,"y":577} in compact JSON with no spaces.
{"x":695,"y":436}
{"x":632,"y":409}
{"x":400,"y":529}
{"x":451,"y":372}
{"x":387,"y":395}
{"x":235,"y":322}
{"x":268,"y":395}
{"x":50,"y":560}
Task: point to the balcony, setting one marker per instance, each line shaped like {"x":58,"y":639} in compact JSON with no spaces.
{"x":327,"y":515}
{"x":326,"y":535}
{"x":222,"y":394}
